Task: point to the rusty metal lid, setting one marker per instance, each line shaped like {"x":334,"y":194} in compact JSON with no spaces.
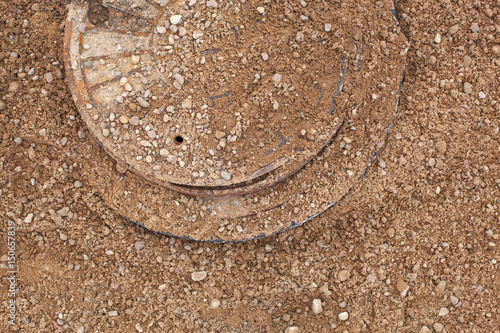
{"x":226,"y":100}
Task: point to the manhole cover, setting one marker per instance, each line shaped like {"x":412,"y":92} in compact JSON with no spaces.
{"x":234,"y":120}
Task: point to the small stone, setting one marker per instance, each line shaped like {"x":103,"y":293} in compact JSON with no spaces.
{"x":316,"y":306}
{"x":482,"y":95}
{"x":164,"y":153}
{"x":328,"y":27}
{"x":292,"y":329}
{"x":113,"y":313}
{"x":286,"y":317}
{"x":29,"y":218}
{"x":265,"y":56}
{"x":175,"y":19}
{"x":343,"y":316}
{"x":261,"y":10}
{"x":496,"y":49}
{"x":443,"y":312}
{"x":142,"y":102}
{"x":134,"y":121}
{"x":453,"y":300}
{"x":139,"y":245}
{"x":437,"y":38}
{"x":212,"y":3}
{"x":215,"y":304}
{"x":13,"y":87}
{"x":199,"y":276}
{"x":63,"y":237}
{"x":467,"y":88}
{"x":187,"y":103}
{"x":440,"y":287}
{"x":219,"y":135}
{"x":402,"y":287}
{"x":431,"y":162}
{"x":344,"y":275}
{"x":474,"y":27}
{"x":49,"y":77}
{"x":124,"y":119}
{"x":226,"y":175}
{"x":139,"y":328}
{"x":381,"y":163}
{"x":438,"y":327}
{"x":277,"y":78}
{"x":425,"y":329}
{"x":441,"y":146}
{"x":77,"y":184}
{"x":136,"y":59}
{"x":179,"y":78}
{"x":161,"y":29}
{"x":2,"y":106}
{"x":18,"y":140}
{"x":268,"y":248}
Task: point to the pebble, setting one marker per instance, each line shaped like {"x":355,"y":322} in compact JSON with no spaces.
{"x":431,"y":162}
{"x":29,"y":218}
{"x":175,"y":19}
{"x":443,"y":312}
{"x":277,"y":78}
{"x":425,"y":329}
{"x":113,"y":313}
{"x":124,"y":119}
{"x":292,"y":329}
{"x":199,"y":276}
{"x":139,"y":245}
{"x":496,"y":49}
{"x":343,"y":316}
{"x":261,"y":10}
{"x":328,"y":27}
{"x":78,"y":184}
{"x":134,"y":121}
{"x":474,"y":27}
{"x":139,"y":328}
{"x":49,"y":77}
{"x":441,"y":146}
{"x":482,"y":95}
{"x":286,"y":317}
{"x":18,"y":141}
{"x":453,"y":300}
{"x":265,"y":56}
{"x":467,"y":88}
{"x":212,"y":3}
{"x":344,"y":275}
{"x":226,"y":175}
{"x":215,"y":304}
{"x":438,"y":327}
{"x":2,"y":106}
{"x":402,"y":287}
{"x":219,"y":135}
{"x":437,"y":38}
{"x":316,"y":306}
{"x":381,"y":163}
{"x":440,"y":287}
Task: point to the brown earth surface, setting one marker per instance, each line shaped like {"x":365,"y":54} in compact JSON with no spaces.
{"x":412,"y":248}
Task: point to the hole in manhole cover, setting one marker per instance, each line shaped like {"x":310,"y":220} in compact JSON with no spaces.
{"x":281,"y":107}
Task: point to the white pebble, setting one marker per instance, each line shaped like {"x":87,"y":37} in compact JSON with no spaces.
{"x":343,"y":316}
{"x":316,"y":306}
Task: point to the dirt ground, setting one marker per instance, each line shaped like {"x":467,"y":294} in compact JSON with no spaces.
{"x":412,"y":248}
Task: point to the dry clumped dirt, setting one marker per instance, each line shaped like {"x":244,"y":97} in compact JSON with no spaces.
{"x":412,"y":248}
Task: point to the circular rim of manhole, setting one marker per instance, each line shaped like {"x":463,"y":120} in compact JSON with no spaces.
{"x":302,"y":128}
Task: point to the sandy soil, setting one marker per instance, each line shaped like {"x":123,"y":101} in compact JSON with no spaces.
{"x":412,"y":248}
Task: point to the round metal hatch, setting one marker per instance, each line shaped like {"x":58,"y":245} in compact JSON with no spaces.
{"x":224,"y":111}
